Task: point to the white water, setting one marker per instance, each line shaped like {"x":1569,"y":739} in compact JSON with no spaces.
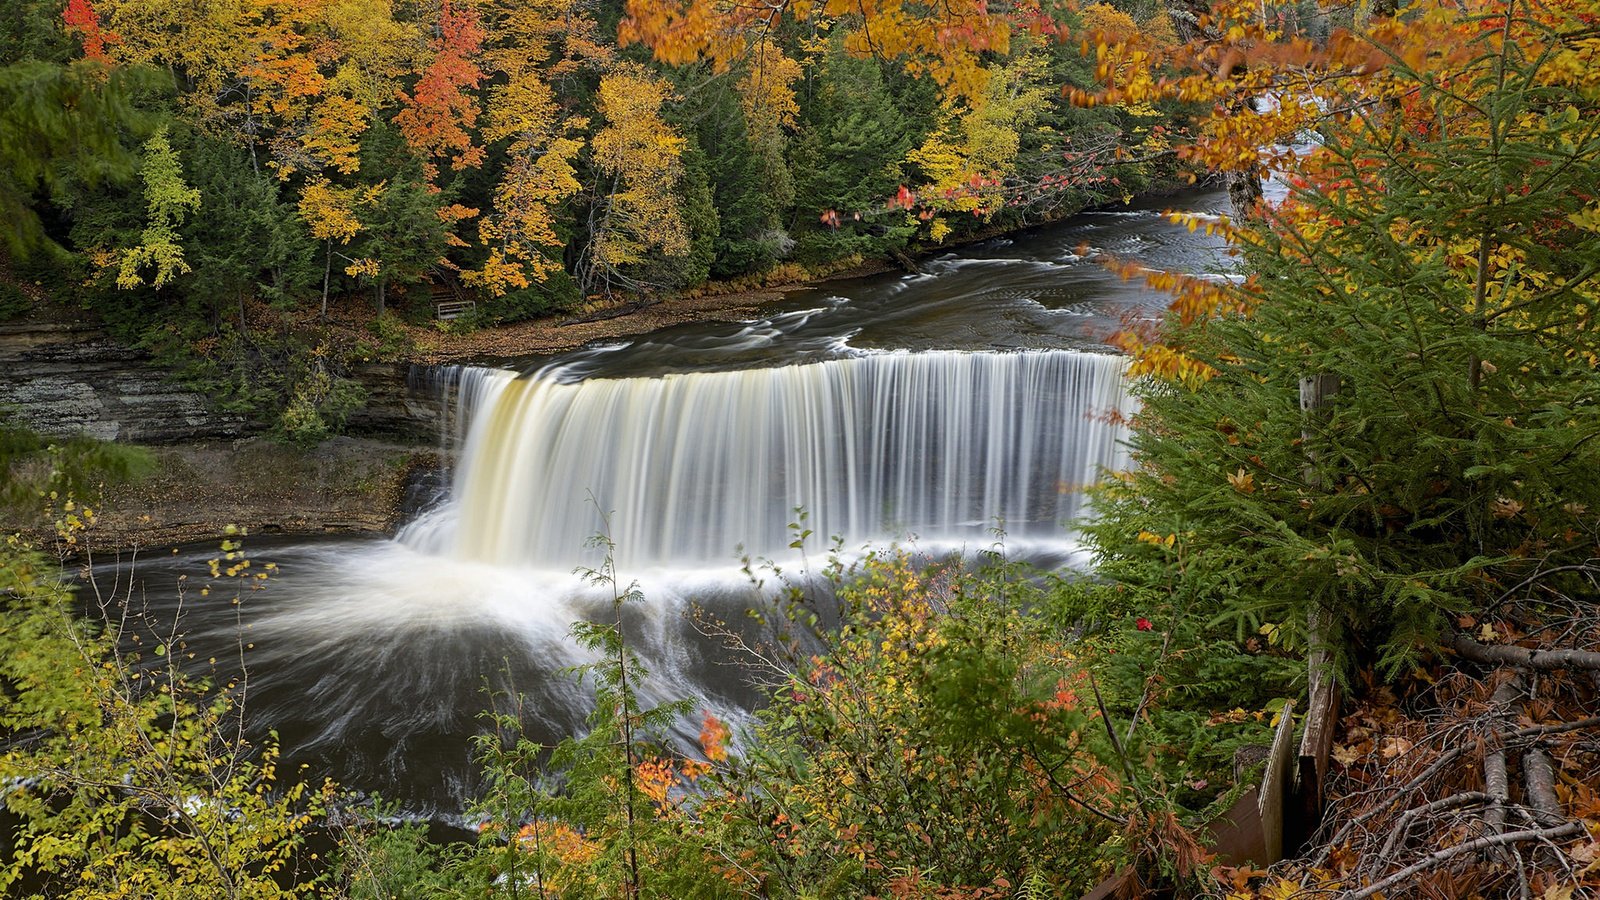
{"x":691,"y":469}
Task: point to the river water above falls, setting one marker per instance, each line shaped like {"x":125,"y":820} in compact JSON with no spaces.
{"x":931,"y":409}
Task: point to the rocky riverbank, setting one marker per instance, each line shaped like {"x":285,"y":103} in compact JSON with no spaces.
{"x":195,"y":490}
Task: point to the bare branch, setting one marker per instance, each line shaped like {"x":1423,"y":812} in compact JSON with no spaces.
{"x":1571,"y":829}
{"x":1509,"y":655}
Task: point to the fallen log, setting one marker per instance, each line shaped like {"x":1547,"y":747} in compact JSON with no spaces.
{"x":1523,"y":657}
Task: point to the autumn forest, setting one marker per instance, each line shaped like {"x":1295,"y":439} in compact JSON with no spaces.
{"x":820,"y":448}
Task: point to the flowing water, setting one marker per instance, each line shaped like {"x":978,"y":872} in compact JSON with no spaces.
{"x":937,"y":410}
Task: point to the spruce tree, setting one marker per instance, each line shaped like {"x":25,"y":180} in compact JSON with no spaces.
{"x":1437,"y":265}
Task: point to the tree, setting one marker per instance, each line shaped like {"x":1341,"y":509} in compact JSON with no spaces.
{"x":945,"y":41}
{"x":744,"y":208}
{"x":64,"y":129}
{"x":402,"y":233}
{"x":169,"y":200}
{"x":244,"y":239}
{"x":971,"y":155}
{"x":31,"y":30}
{"x":850,"y":151}
{"x":637,"y":158}
{"x":1437,"y":254}
{"x":531,"y":45}
{"x":330,"y":213}
{"x":440,"y":113}
{"x":82,"y":20}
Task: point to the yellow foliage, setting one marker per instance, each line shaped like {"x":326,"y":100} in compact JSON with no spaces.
{"x":329,"y":211}
{"x":967,"y":158}
{"x":640,"y":153}
{"x":766,"y":91}
{"x":533,"y":42}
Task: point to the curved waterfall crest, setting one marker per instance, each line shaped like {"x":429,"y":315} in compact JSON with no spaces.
{"x":692,"y":467}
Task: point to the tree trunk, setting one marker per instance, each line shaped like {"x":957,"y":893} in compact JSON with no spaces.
{"x":1244,"y":192}
{"x":327,"y":271}
{"x":1322,"y":707}
{"x":381,"y":282}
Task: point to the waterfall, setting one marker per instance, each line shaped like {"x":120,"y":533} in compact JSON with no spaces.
{"x":689,"y":468}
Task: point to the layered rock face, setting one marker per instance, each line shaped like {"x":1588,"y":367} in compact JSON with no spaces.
{"x":66,"y":379}
{"x":403,"y":401}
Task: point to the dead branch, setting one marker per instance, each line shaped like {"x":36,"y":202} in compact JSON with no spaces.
{"x":1523,"y":657}
{"x":1570,"y":829}
{"x":1539,"y":775}
{"x":1445,"y":760}
{"x":1558,"y":728}
{"x":1397,"y":838}
{"x":1496,"y":783}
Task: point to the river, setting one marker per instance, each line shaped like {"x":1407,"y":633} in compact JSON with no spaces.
{"x":949,"y":411}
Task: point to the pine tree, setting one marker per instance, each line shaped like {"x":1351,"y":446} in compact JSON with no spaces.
{"x":1436,"y":262}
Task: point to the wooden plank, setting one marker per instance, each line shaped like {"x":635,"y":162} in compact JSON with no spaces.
{"x":1316,"y":744}
{"x":1121,"y":886}
{"x":1236,"y":836}
{"x":1277,"y":786}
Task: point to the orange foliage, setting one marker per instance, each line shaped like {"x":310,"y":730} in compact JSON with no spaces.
{"x":713,"y":738}
{"x":82,"y":19}
{"x":945,"y":41}
{"x":439,"y":115}
{"x":1266,"y":88}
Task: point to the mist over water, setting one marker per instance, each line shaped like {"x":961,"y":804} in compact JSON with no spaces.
{"x":927,"y":409}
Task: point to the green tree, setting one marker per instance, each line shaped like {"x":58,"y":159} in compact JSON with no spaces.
{"x":65,"y":129}
{"x":849,"y":155}
{"x":168,"y":201}
{"x":31,"y":30}
{"x":244,"y":239}
{"x":1435,"y":265}
{"x":402,"y":236}
{"x":747,"y":208}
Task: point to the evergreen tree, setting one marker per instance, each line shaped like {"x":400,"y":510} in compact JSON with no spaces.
{"x":848,"y":157}
{"x":747,"y":208}
{"x":31,"y":30}
{"x":1435,"y":266}
{"x":65,"y":130}
{"x":402,"y":236}
{"x":244,"y":239}
{"x":853,"y":138}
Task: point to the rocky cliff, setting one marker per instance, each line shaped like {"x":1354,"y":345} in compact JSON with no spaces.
{"x":71,"y":378}
{"x":63,"y":379}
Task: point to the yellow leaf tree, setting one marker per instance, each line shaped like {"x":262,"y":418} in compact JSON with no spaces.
{"x":169,"y":200}
{"x":638,"y":158}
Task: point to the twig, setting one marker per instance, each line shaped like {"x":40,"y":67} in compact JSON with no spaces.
{"x":1444,"y":761}
{"x":1570,"y":829}
{"x":1111,"y":731}
{"x":1559,"y":728}
{"x":1402,"y":828}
